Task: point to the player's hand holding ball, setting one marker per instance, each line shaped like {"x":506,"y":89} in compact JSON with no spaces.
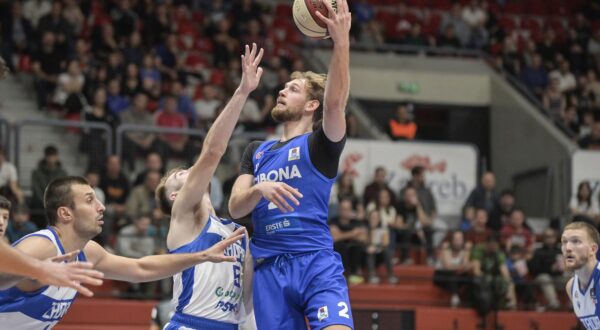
{"x":323,"y":19}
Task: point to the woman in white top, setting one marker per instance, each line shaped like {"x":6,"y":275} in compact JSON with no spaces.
{"x":583,"y":203}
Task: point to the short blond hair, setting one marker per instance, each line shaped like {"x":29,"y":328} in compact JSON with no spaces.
{"x":591,"y":231}
{"x":315,"y":87}
{"x":160,"y":194}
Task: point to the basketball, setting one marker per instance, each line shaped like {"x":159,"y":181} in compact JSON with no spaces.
{"x":306,"y":19}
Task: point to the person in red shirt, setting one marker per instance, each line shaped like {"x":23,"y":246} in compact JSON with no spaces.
{"x":175,"y":144}
{"x":403,"y":127}
{"x":515,"y":233}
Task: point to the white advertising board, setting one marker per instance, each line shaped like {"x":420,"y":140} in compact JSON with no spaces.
{"x":451,"y":169}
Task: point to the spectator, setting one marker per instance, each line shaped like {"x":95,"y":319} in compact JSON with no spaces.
{"x":535,"y":77}
{"x":17,"y":35}
{"x":592,"y":140}
{"x":48,"y":169}
{"x":349,"y":239}
{"x":56,"y":23}
{"x":344,"y":189}
{"x":124,"y":19}
{"x":93,"y":178}
{"x":93,"y":141}
{"x":141,"y":199}
{"x":515,"y":233}
{"x":482,"y":197}
{"x":20,"y":224}
{"x":517,"y":267}
{"x":206,"y":108}
{"x":454,"y":267}
{"x":133,"y":51}
{"x":116,"y":188}
{"x":426,"y":198}
{"x":403,"y":127}
{"x":379,"y":242}
{"x":131,"y":83}
{"x":5,"y":206}
{"x":153,"y":164}
{"x":184,"y":102}
{"x":9,"y":180}
{"x":478,"y":233}
{"x":137,"y":142}
{"x":415,"y":37}
{"x":47,"y":65}
{"x":493,"y":287}
{"x":115,"y":101}
{"x":137,"y":241}
{"x":501,"y":214}
{"x":413,"y":225}
{"x":547,"y":268}
{"x":454,"y":19}
{"x":570,"y":120}
{"x":449,"y":38}
{"x":372,"y":189}
{"x":34,"y":10}
{"x":69,"y":89}
{"x":566,"y":80}
{"x":553,"y":99}
{"x":173,"y":144}
{"x":582,"y":203}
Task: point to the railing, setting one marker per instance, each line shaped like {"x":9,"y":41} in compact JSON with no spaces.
{"x":122,"y":129}
{"x":61,"y":123}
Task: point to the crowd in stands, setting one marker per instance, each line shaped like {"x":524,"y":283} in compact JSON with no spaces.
{"x":485,"y":260}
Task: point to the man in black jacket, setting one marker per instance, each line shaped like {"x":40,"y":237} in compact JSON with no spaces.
{"x":547,"y":267}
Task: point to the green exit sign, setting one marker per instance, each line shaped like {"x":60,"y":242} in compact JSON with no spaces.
{"x":409,"y":87}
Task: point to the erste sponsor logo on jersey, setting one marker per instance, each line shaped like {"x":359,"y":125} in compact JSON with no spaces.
{"x":591,"y":322}
{"x":57,"y":311}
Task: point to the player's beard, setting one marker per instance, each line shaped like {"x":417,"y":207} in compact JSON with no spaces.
{"x":578,"y":264}
{"x":283,"y":113}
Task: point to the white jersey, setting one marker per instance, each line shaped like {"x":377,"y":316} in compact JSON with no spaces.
{"x":585,"y":303}
{"x":41,"y":309}
{"x":211,"y":291}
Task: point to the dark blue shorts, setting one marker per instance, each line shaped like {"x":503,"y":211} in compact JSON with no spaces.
{"x":290,"y":287}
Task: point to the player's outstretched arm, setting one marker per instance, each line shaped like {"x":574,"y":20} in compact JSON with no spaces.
{"x":217,"y":138}
{"x":48,"y":272}
{"x":152,"y":268}
{"x":337,"y":88}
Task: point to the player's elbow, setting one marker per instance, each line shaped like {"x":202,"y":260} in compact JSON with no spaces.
{"x":235,"y":210}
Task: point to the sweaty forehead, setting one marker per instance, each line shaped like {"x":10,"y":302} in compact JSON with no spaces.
{"x":570,"y":233}
{"x":299,"y":82}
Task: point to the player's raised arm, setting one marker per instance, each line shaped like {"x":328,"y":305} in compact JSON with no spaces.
{"x":217,"y":139}
{"x":338,"y":77}
{"x":152,"y":268}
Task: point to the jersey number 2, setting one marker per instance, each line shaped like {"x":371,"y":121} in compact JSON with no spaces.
{"x":344,"y":311}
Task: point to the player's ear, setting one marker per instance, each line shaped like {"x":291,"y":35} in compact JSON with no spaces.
{"x":312,"y":105}
{"x":173,"y":195}
{"x":65,"y":213}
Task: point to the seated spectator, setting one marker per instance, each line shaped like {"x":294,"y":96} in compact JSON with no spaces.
{"x":449,"y":38}
{"x":20,"y":224}
{"x":501,"y":214}
{"x":116,"y":188}
{"x":68,"y":94}
{"x":535,"y":76}
{"x":403,"y":127}
{"x":349,"y":240}
{"x":413,"y":226}
{"x":93,"y":141}
{"x":478,"y":233}
{"x":566,"y":79}
{"x":592,"y":140}
{"x":47,"y":65}
{"x":493,"y":287}
{"x":582,"y":203}
{"x":137,"y":241}
{"x":553,"y":99}
{"x":93,"y":178}
{"x":185,"y":105}
{"x":454,"y":266}
{"x":115,"y":101}
{"x":547,"y":268}
{"x":372,"y":189}
{"x":482,"y":197}
{"x":379,"y":241}
{"x":48,"y":169}
{"x":515,"y":233}
{"x":344,"y":189}
{"x":9,"y":180}
{"x":131,"y":83}
{"x":141,"y":199}
{"x":206,"y":108}
{"x":517,"y":267}
{"x":173,"y":144}
{"x":153,"y":163}
{"x":137,"y":142}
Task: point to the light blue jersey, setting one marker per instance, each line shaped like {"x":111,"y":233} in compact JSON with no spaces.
{"x":41,"y":309}
{"x":209,"y":295}
{"x":585,"y":303}
{"x":305,"y":229}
